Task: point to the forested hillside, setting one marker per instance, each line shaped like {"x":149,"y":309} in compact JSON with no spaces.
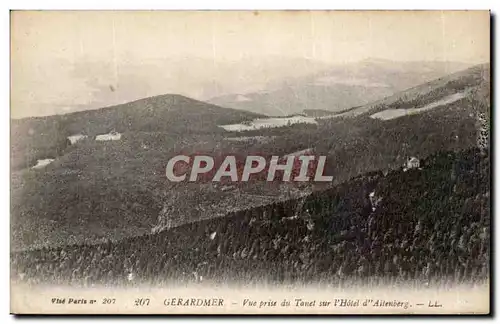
{"x":42,"y":137}
{"x":430,"y":223}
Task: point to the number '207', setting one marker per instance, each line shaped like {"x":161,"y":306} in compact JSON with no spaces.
{"x":142,"y":302}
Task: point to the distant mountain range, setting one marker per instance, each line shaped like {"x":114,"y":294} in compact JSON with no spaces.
{"x":339,"y":87}
{"x":95,"y":191}
{"x":85,"y":84}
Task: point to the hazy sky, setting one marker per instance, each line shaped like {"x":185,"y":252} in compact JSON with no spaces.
{"x":62,"y":61}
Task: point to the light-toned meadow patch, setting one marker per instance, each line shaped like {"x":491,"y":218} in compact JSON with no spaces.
{"x":42,"y":163}
{"x":112,"y":136}
{"x":396,"y":113}
{"x":269,"y":123}
{"x":260,"y":139}
{"x":75,"y":138}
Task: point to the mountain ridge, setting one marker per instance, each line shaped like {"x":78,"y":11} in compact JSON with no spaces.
{"x":117,"y":190}
{"x":363,"y":229}
{"x":35,"y":138}
{"x":340,"y":87}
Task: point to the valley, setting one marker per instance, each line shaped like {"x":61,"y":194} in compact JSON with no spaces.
{"x":108,"y":200}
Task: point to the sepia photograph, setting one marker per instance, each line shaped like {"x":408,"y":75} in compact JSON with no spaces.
{"x":250,"y":162}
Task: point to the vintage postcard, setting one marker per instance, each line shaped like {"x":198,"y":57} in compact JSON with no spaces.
{"x":250,"y":162}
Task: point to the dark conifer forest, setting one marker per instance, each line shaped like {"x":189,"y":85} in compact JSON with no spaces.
{"x":429,"y":224}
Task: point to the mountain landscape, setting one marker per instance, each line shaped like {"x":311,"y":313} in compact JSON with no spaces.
{"x":97,"y":84}
{"x":41,"y":137}
{"x":338,"y":87}
{"x":333,"y":237}
{"x":109,"y":203}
